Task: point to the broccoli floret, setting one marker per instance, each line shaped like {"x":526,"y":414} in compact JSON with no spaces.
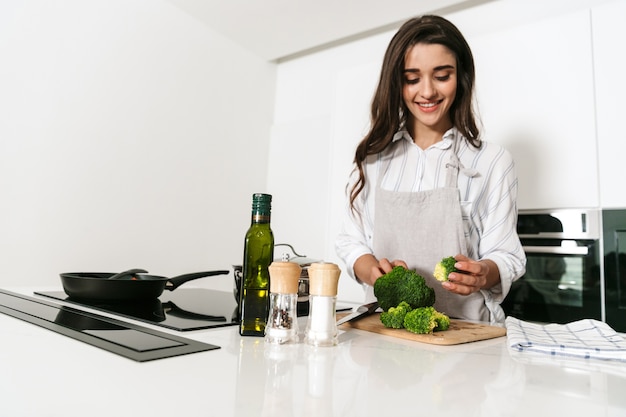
{"x":425,"y":320}
{"x":443,"y":268}
{"x":401,"y":284}
{"x":394,"y":317}
{"x":443,"y":322}
{"x":421,"y":320}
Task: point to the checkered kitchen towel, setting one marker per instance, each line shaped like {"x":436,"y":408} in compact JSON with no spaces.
{"x":587,"y":339}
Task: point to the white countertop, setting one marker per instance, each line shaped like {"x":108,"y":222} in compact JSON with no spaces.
{"x":44,"y":373}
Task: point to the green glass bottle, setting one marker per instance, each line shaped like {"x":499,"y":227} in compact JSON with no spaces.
{"x":257,"y":256}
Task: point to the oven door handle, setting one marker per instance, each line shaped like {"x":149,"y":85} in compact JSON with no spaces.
{"x":557,"y":250}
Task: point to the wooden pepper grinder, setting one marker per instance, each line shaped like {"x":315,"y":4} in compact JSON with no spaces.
{"x":282,"y":323}
{"x":322,"y":323}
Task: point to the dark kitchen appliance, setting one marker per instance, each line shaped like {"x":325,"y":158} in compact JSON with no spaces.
{"x":562,"y":282}
{"x":614,"y":239}
{"x":184,"y":309}
{"x":125,"y":339}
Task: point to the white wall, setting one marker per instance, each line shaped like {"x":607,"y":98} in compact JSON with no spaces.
{"x":321,"y":113}
{"x":322,"y":108}
{"x":131,"y":135}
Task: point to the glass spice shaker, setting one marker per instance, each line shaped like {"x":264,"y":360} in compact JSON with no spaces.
{"x":322,"y":323}
{"x":282,"y":323}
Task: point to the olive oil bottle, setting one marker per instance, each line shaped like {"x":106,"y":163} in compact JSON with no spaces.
{"x":257,"y":256}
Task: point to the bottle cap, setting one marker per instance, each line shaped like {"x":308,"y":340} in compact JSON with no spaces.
{"x":261,"y":202}
{"x":284,"y":277}
{"x":323,"y":279}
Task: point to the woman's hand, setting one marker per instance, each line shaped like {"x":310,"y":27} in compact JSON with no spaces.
{"x":368,"y":269}
{"x":472,"y":276}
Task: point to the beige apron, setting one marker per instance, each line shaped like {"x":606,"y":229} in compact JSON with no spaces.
{"x":421,"y":228}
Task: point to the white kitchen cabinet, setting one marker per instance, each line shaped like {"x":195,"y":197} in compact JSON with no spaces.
{"x":535,"y":97}
{"x":609,"y":63}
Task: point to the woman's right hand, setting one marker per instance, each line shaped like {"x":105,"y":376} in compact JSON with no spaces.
{"x":368,"y":269}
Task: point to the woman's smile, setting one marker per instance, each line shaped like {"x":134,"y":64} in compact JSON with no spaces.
{"x":429,"y":106}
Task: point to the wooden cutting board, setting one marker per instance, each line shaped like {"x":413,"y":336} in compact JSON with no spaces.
{"x":459,"y":332}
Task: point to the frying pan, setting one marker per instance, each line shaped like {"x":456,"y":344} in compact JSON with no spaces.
{"x":96,"y":286}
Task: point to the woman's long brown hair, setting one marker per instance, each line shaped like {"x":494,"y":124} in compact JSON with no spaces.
{"x":388,"y":111}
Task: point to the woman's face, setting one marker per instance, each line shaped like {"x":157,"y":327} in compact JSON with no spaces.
{"x":429,"y":87}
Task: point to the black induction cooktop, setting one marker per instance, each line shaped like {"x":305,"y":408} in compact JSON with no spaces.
{"x":126,"y":339}
{"x":184,"y":309}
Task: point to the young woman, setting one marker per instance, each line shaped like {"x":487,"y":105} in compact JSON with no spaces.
{"x":425,"y":186}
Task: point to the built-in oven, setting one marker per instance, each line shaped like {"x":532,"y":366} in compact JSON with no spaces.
{"x":614,"y":239}
{"x":563,"y":281}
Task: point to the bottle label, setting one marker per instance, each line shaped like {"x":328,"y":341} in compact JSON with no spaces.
{"x":260,"y":218}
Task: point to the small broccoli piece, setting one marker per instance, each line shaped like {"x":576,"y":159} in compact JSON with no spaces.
{"x":425,"y":320}
{"x":394,"y":317}
{"x":443,"y":322}
{"x":443,"y":268}
{"x":401,"y":284}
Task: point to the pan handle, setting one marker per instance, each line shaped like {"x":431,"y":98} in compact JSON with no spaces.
{"x":173,"y":310}
{"x":179,"y":280}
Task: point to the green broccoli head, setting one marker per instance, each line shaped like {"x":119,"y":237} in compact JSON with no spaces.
{"x":425,"y":320}
{"x":401,"y":284}
{"x":443,"y":268}
{"x":394,"y":317}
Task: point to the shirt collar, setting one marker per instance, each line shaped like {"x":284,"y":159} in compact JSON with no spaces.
{"x":448,"y":139}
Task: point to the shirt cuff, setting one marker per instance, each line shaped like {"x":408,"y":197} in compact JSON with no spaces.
{"x":499,"y":291}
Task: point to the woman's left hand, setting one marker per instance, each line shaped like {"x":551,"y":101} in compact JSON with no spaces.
{"x":472,"y":276}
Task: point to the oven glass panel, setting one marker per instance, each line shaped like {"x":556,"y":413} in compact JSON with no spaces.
{"x":557,"y":288}
{"x":555,"y":280}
